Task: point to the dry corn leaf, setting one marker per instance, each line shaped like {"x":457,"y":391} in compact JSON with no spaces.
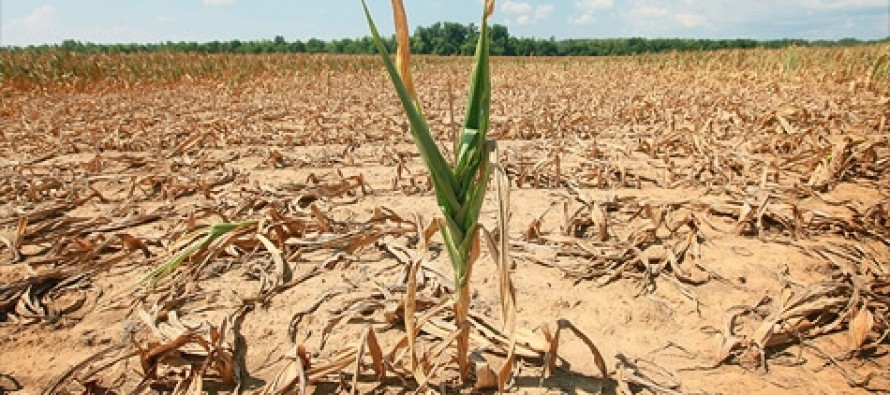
{"x":859,"y":328}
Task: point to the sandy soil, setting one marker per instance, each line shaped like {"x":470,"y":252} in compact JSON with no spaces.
{"x":588,"y":144}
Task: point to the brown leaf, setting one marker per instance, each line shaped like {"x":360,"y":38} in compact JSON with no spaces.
{"x":369,"y":340}
{"x":410,"y":308}
{"x":860,"y":327}
{"x":601,"y":221}
{"x":553,"y":339}
{"x":403,"y":53}
{"x":132,"y":244}
{"x":485,"y":375}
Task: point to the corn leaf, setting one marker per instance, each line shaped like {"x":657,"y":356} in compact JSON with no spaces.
{"x":212,"y":232}
{"x":442,"y":176}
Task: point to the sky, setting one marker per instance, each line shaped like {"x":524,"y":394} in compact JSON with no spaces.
{"x":27,"y":22}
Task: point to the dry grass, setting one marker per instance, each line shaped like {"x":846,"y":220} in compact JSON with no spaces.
{"x":744,"y":191}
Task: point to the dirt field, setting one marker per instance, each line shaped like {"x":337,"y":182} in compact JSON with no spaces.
{"x":713,"y":222}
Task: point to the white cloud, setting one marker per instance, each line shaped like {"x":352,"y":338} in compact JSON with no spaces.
{"x":40,"y":25}
{"x":587,"y":9}
{"x":516,"y":7}
{"x":543,"y":11}
{"x":647,"y":11}
{"x":583,"y":19}
{"x":663,"y":18}
{"x":842,"y":4}
{"x":43,"y":25}
{"x":40,"y":18}
{"x":524,"y":13}
{"x":691,"y":20}
{"x":218,"y":2}
{"x":594,"y":5}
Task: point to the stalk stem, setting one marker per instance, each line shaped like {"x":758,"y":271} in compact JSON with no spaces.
{"x":461,"y":318}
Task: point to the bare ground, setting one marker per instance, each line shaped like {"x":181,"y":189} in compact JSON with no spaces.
{"x":653,"y":199}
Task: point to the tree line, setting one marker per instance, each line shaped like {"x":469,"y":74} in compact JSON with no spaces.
{"x":450,"y":38}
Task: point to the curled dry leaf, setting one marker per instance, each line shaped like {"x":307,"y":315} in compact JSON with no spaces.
{"x":551,"y":355}
{"x":859,"y":328}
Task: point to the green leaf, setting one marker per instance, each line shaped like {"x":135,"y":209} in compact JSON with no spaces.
{"x":213,"y":232}
{"x":460,"y":190}
{"x":478,"y":107}
{"x":443,"y":178}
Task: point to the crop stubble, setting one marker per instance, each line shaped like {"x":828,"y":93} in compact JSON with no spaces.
{"x":713,"y":221}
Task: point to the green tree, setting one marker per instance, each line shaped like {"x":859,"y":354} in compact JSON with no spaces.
{"x":546,"y":47}
{"x":296,"y":46}
{"x":500,"y":41}
{"x":279,"y":44}
{"x":334,"y":46}
{"x":315,"y":45}
{"x":472,"y":36}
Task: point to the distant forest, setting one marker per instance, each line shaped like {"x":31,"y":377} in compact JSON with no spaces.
{"x":449,"y":38}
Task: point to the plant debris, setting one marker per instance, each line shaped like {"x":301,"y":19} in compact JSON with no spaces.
{"x":699,"y":198}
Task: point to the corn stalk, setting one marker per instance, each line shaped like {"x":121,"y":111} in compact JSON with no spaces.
{"x":460,"y":187}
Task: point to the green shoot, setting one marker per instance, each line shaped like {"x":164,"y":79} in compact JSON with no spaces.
{"x":460,"y":188}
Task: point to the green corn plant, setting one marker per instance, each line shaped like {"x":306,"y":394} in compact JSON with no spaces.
{"x":459,"y":186}
{"x":210,"y":233}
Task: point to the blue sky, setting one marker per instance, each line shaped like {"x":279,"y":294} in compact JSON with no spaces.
{"x":26,"y":22}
